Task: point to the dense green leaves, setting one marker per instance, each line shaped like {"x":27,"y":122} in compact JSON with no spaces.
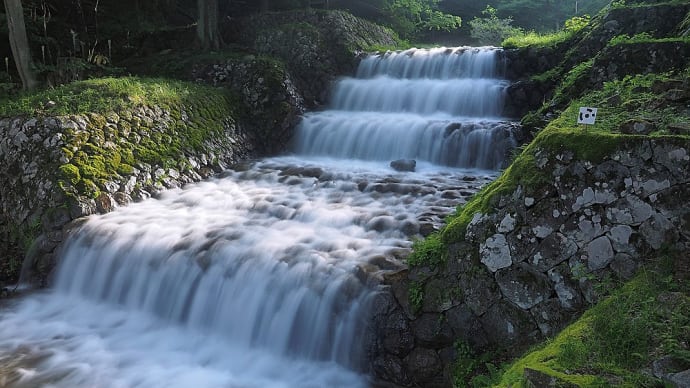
{"x":412,"y":16}
{"x":492,"y":30}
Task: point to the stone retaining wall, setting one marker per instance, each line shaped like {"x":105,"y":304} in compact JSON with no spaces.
{"x":540,"y":258}
{"x":41,"y":190}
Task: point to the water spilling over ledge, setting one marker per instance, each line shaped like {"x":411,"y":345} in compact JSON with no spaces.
{"x":263,"y":277}
{"x":439,"y":105}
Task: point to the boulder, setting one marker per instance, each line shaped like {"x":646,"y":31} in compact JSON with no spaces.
{"x":404,"y":164}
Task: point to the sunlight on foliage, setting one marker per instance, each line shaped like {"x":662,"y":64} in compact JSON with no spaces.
{"x":490,"y":29}
{"x":532,"y":38}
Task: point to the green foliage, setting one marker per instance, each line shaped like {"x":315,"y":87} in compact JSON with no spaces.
{"x":474,"y":370}
{"x":644,"y":37}
{"x":523,"y":171}
{"x":531,"y":38}
{"x":641,"y":37}
{"x":612,"y":341}
{"x":409,"y":17}
{"x":416,"y":295}
{"x":569,"y":87}
{"x":20,"y":239}
{"x":465,"y":364}
{"x":576,"y":23}
{"x":492,"y":30}
{"x":102,"y":95}
{"x":429,"y":251}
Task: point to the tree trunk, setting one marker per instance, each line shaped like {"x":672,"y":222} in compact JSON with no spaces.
{"x":207,"y":31}
{"x":20,"y":43}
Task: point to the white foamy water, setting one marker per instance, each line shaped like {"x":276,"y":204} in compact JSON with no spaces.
{"x":439,"y":105}
{"x":256,"y":279}
{"x":262,"y":277}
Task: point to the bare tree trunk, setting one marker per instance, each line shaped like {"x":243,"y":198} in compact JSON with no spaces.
{"x":208,"y":34}
{"x":20,"y":43}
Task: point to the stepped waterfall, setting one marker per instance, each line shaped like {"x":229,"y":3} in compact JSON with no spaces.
{"x":440,"y":105}
{"x":263,"y":276}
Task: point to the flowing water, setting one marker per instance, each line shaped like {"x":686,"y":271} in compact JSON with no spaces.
{"x":261,"y":277}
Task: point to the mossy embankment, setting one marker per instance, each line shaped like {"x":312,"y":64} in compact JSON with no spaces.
{"x":631,"y":338}
{"x":562,"y":244}
{"x":650,"y":102}
{"x":85,"y":146}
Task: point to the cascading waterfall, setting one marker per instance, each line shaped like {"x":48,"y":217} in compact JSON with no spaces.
{"x":440,"y":105}
{"x":262,"y":277}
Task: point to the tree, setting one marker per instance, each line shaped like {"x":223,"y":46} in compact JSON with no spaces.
{"x":413,"y":16}
{"x":207,"y":31}
{"x":19,"y":43}
{"x":491,"y":30}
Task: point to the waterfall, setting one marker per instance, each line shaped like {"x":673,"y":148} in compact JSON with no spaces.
{"x":264,"y":276}
{"x":438,"y":105}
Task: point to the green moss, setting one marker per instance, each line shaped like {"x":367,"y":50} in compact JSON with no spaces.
{"x":429,"y":251}
{"x":645,"y":37}
{"x":67,"y":152}
{"x":548,"y":76}
{"x":102,"y":95}
{"x":71,"y":173}
{"x":531,"y":39}
{"x":614,"y":340}
{"x":523,"y":171}
{"x":416,"y":295}
{"x":89,"y":188}
{"x":90,"y":162}
{"x":574,"y":82}
{"x":125,"y":169}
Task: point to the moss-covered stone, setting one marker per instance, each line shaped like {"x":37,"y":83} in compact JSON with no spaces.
{"x":71,"y":173}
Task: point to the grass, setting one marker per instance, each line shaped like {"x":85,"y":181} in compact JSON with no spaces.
{"x":430,"y":251}
{"x":532,"y":38}
{"x":102,"y":95}
{"x":550,"y":39}
{"x":645,"y":37}
{"x":610,"y":344}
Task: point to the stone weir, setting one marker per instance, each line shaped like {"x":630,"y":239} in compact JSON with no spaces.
{"x":527,"y":269}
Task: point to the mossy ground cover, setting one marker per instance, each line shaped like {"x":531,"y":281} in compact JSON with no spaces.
{"x":612,"y":343}
{"x":535,"y":39}
{"x":551,"y":39}
{"x":102,"y":95}
{"x":90,"y":163}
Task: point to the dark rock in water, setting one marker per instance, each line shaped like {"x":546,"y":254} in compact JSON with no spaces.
{"x":452,"y":127}
{"x":404,"y":164}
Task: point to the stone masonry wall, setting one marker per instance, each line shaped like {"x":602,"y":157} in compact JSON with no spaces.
{"x":38,"y":199}
{"x":534,"y":263}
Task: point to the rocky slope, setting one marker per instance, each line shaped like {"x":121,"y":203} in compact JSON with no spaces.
{"x":579,"y":210}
